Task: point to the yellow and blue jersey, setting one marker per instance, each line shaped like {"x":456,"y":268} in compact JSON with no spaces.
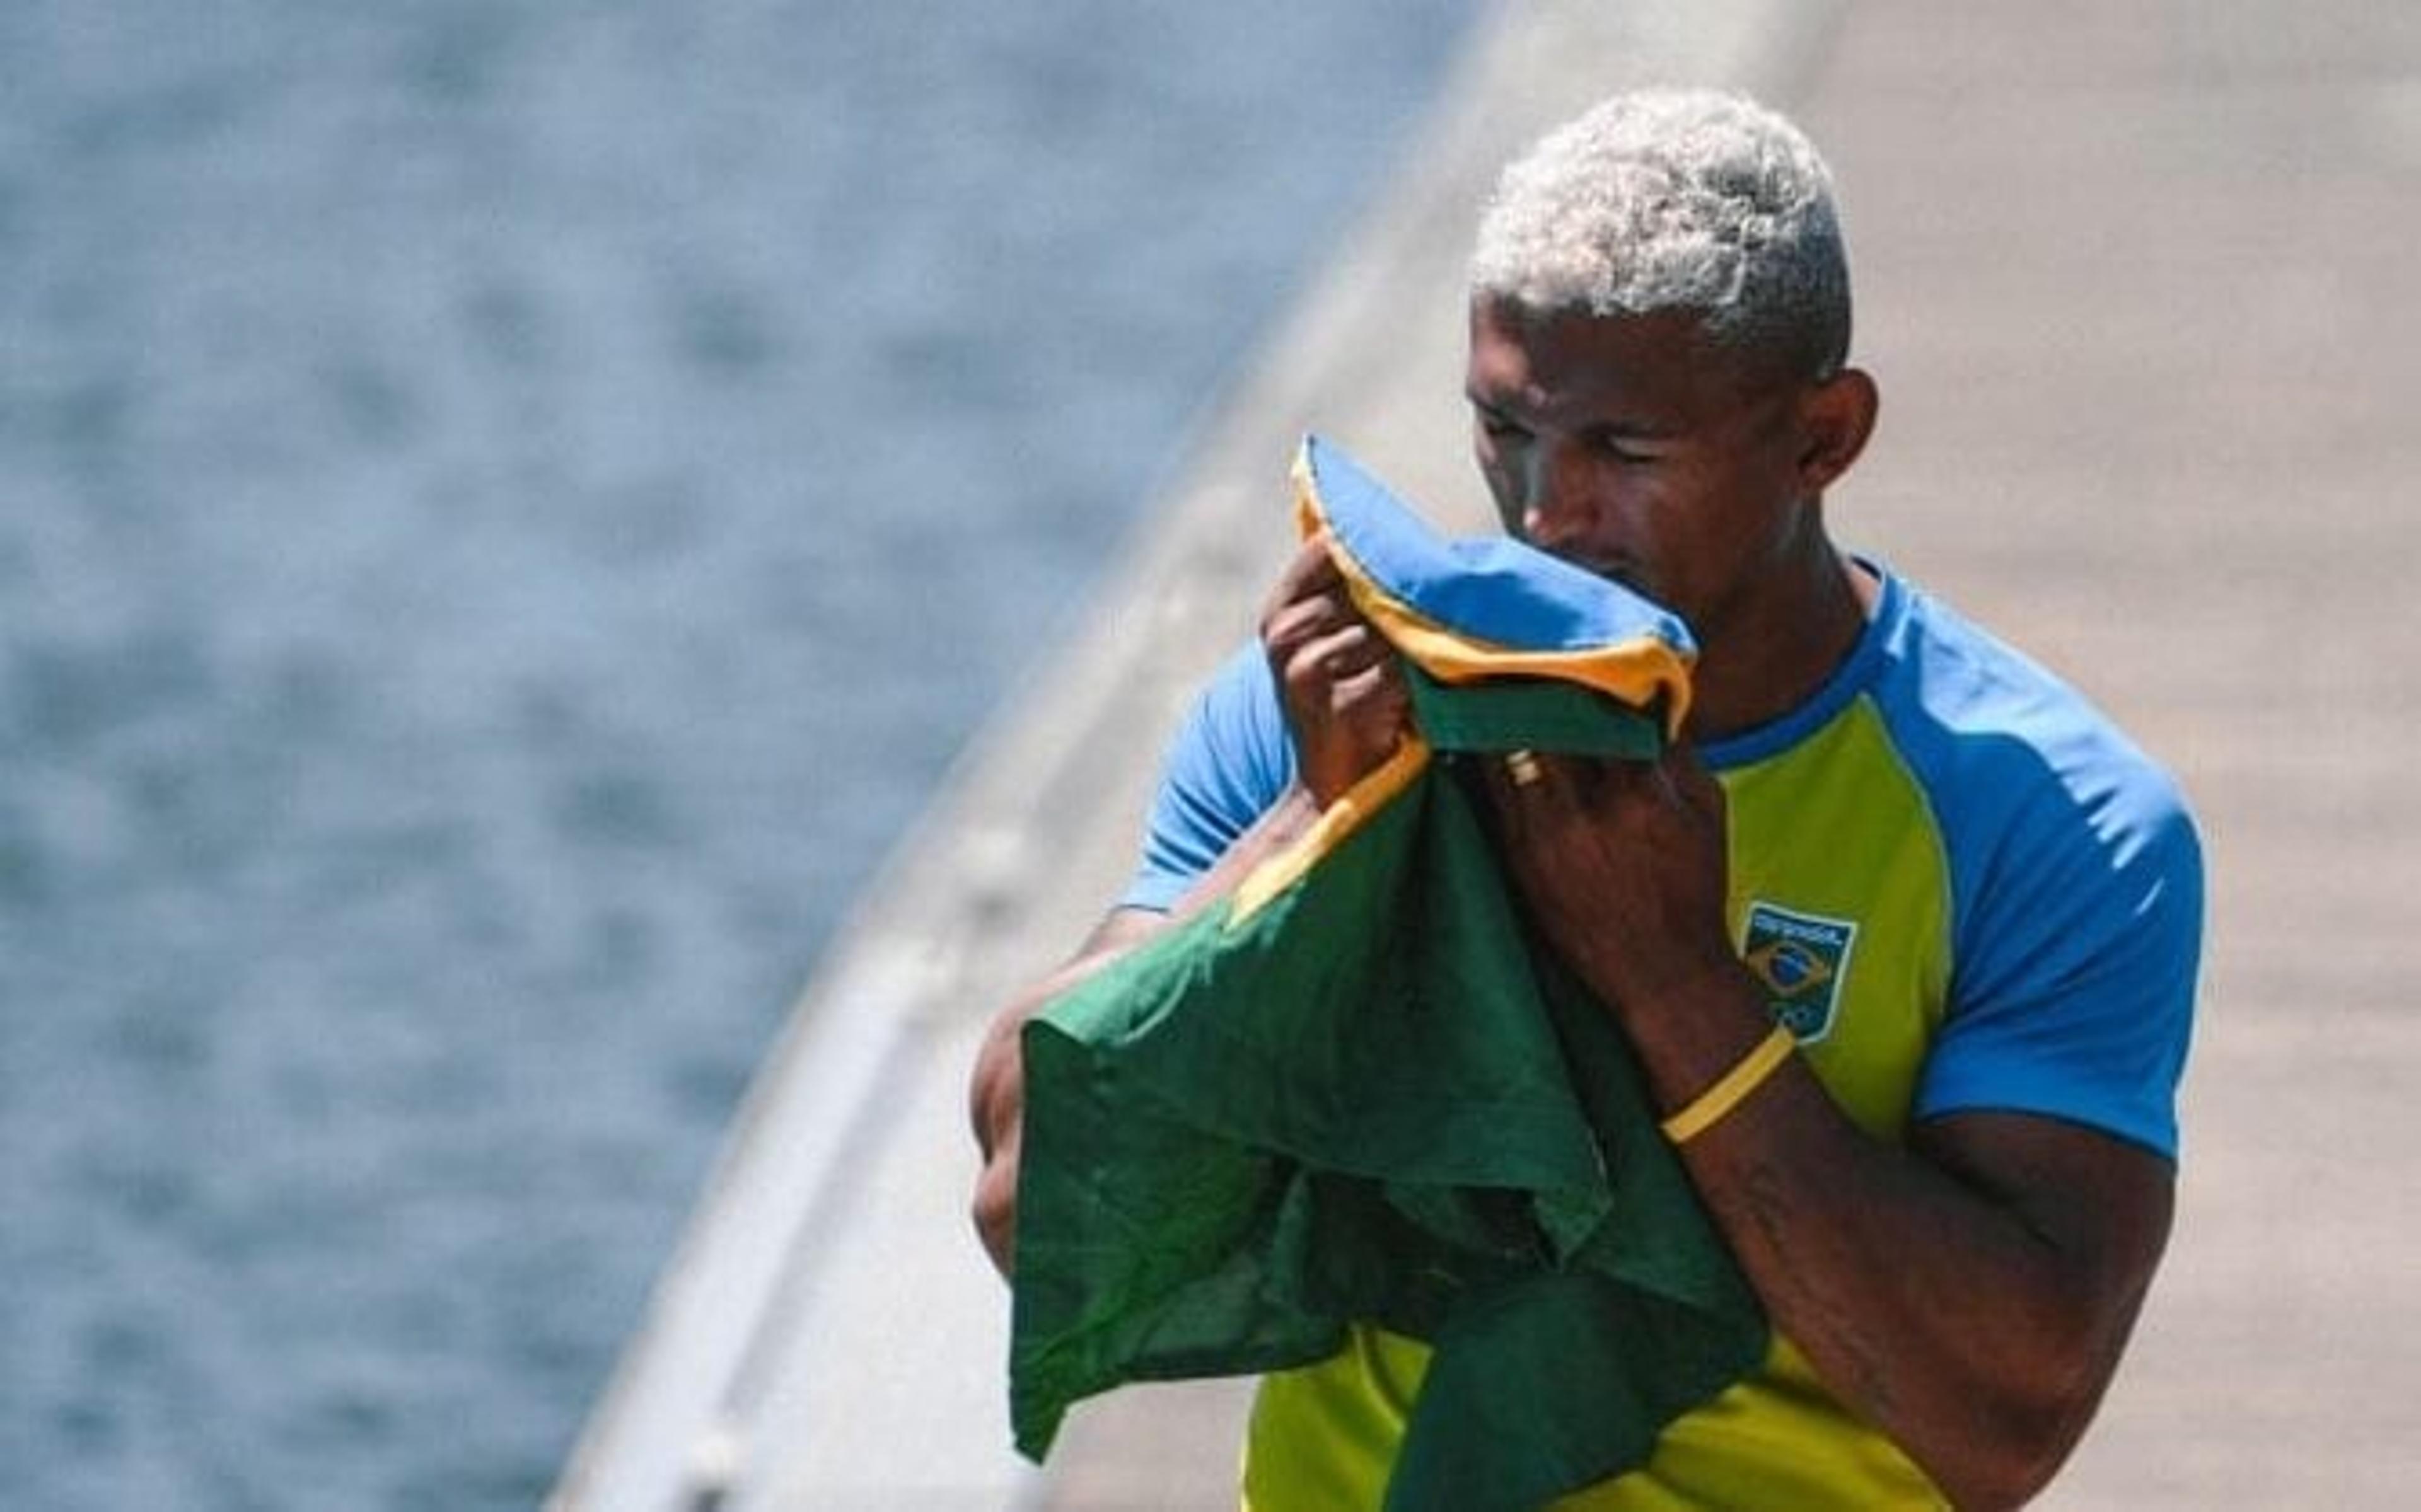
{"x":1963,"y":888}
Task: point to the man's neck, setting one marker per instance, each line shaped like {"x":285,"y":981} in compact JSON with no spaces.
{"x":1783,"y":648}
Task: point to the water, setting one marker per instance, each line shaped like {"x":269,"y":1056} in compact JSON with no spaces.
{"x":509,"y":507}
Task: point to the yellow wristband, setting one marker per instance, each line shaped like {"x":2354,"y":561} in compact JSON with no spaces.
{"x":1737,"y":1083}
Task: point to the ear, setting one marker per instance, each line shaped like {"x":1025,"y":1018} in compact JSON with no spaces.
{"x":1836,"y":418}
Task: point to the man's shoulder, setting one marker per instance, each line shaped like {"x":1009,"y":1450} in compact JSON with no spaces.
{"x":2076,"y":886}
{"x":1969,"y":710}
{"x":1229,"y":760}
{"x":2047,"y":810}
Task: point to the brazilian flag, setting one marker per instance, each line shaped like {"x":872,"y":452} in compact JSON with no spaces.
{"x":1358,"y":1091}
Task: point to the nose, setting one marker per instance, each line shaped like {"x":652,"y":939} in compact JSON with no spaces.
{"x":1559,"y":496}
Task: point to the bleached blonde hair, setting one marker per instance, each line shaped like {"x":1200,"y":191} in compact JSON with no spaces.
{"x":1676,"y":199}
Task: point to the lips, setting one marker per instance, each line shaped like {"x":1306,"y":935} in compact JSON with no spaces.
{"x":1621,"y":570}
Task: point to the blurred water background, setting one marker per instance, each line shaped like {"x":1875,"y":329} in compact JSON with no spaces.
{"x":507,"y":508}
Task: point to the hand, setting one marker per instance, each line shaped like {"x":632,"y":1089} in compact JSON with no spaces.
{"x":1623,"y":865}
{"x":1345,"y":699}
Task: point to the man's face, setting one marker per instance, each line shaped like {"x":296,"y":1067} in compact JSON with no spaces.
{"x":1632,"y":446}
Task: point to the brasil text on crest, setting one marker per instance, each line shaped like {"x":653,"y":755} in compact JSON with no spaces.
{"x":1802,"y":959}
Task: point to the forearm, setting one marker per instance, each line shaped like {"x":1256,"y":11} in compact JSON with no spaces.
{"x":1969,"y":1293}
{"x":1971,"y":1327}
{"x":996,"y":1094}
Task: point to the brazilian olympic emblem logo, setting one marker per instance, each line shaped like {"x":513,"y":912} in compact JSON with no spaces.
{"x":1801,"y":958}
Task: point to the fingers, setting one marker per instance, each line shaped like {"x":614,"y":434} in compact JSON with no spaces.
{"x":1346,"y":703}
{"x":1539,"y":790}
{"x":1310,"y":588}
{"x":1308,"y":601}
{"x":1531,"y":786}
{"x":1326,"y":657}
{"x":1339,"y":654}
{"x":1312,"y":569}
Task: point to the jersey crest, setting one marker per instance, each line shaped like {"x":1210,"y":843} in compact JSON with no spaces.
{"x":1802,"y":959}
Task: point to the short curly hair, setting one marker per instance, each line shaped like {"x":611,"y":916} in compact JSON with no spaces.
{"x":1680,"y":199}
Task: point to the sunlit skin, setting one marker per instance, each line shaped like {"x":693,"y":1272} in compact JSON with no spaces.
{"x":1970,"y":1293}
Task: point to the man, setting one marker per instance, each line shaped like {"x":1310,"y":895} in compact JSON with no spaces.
{"x":1975,"y":909}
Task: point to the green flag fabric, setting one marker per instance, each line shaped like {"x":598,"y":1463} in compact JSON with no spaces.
{"x":1358,"y":1091}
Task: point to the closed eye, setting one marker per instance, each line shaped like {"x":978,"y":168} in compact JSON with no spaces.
{"x":1496,"y":423}
{"x":1624,"y":445}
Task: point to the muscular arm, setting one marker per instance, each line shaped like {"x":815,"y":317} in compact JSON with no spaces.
{"x":996,"y":1096}
{"x":1971,"y":1293}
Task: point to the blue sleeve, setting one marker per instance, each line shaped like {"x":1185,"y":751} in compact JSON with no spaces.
{"x":2077,"y":936}
{"x":1228,"y":763}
